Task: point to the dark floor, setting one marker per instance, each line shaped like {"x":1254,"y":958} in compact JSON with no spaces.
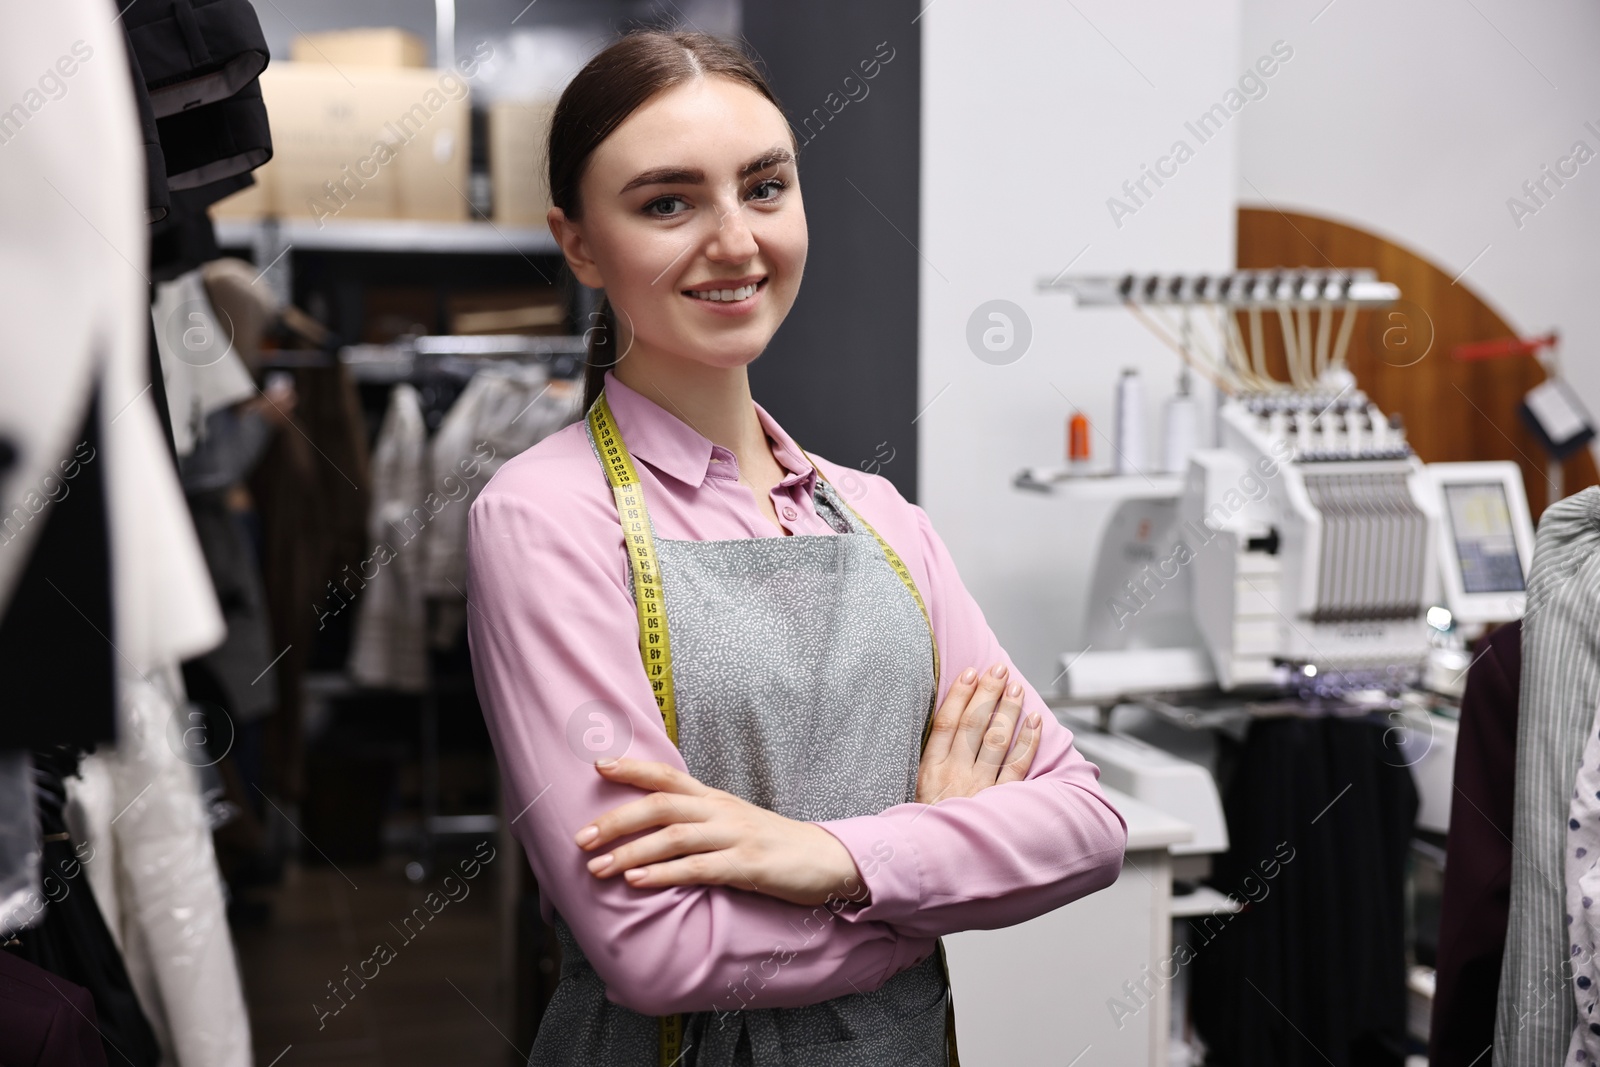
{"x":435,"y":997}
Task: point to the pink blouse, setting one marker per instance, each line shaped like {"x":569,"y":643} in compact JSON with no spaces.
{"x":552,"y":628}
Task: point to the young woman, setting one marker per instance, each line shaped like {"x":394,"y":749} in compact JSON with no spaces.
{"x":710,"y":662}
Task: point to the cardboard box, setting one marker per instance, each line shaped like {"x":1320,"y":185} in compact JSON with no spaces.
{"x":519,"y":135}
{"x":366,"y":142}
{"x":382,"y":46}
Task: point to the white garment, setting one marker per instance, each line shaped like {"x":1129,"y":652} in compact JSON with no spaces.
{"x":154,"y":874}
{"x":389,"y":643}
{"x":504,"y":410}
{"x":200,"y":367}
{"x":73,"y":249}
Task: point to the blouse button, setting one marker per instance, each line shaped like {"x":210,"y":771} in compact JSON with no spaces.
{"x":789,"y":513}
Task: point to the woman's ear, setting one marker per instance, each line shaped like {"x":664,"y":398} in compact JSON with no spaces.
{"x":569,"y":238}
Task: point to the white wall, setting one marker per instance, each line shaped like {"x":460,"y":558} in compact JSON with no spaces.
{"x":1418,"y":121}
{"x":1033,"y":115}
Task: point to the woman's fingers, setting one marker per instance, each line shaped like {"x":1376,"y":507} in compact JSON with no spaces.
{"x":652,"y":774}
{"x":705,"y":868}
{"x":948,"y":717}
{"x":656,"y":809}
{"x":975,"y":719}
{"x":997,"y":738}
{"x":677,"y":798}
{"x":668,"y":843}
{"x":1016,"y":768}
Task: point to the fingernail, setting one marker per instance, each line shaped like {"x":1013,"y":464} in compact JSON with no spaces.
{"x":1015,"y":691}
{"x":600,"y":863}
{"x":969,"y":675}
{"x":587,"y":834}
{"x":606,"y":761}
{"x":634,"y":874}
{"x":998,"y":670}
{"x":1034,"y":720}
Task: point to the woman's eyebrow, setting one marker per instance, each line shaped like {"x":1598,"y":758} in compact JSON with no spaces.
{"x":776,"y":156}
{"x":772,"y":157}
{"x":666,"y":176}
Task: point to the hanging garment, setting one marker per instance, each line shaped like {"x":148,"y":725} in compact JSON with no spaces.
{"x":1560,"y":691}
{"x":554,"y":638}
{"x":60,"y":611}
{"x":158,"y":197}
{"x":311,"y":495}
{"x":243,"y":664}
{"x":201,"y":368}
{"x":389,"y":647}
{"x":186,"y":239}
{"x":72,"y":246}
{"x":1477,"y":873}
{"x":195,"y":52}
{"x":199,"y":61}
{"x":72,"y":940}
{"x":45,"y":1020}
{"x":504,"y":411}
{"x":226,"y":452}
{"x":155,"y":875}
{"x":19,"y":843}
{"x":216,"y":142}
{"x":1313,"y":970}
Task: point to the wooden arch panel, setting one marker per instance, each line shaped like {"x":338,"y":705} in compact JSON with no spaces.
{"x":1454,"y":410}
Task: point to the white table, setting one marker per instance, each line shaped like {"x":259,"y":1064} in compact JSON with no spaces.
{"x":1042,"y":993}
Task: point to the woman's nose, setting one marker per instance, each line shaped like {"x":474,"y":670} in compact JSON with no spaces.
{"x":732,"y":239}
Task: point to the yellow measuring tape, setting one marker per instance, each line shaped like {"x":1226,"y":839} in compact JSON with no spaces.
{"x":655,"y":646}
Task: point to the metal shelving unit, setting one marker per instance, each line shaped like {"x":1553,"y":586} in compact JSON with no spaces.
{"x":270,"y":240}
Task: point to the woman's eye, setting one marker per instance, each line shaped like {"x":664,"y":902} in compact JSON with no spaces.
{"x":777,"y":186}
{"x":650,"y":208}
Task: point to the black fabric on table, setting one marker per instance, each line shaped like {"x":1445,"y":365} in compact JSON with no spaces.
{"x":1313,"y":971}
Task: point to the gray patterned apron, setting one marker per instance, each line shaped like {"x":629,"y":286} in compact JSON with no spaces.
{"x":803,"y":675}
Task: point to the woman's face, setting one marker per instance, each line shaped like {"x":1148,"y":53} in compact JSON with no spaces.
{"x":694,"y":193}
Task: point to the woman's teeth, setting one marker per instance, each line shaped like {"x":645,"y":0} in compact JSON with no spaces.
{"x":725,"y":294}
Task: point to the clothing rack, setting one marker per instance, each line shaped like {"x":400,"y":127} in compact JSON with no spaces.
{"x":418,"y":360}
{"x":415,"y":357}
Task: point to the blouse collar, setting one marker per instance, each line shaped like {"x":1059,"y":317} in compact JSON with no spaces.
{"x":663,"y":440}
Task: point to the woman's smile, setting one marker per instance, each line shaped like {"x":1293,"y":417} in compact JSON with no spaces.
{"x":738,"y":297}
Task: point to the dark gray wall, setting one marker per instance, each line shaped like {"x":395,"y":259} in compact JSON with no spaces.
{"x":841,"y":374}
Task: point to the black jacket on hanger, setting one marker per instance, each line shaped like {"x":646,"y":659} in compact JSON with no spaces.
{"x":195,"y":66}
{"x":194,"y":52}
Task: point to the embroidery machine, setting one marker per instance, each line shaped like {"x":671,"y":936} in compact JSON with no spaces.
{"x":1305,"y":562}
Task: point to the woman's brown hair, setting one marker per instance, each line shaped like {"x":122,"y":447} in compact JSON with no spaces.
{"x":610,"y":87}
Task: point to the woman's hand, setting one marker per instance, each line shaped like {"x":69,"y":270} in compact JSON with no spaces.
{"x":711,"y":837}
{"x":966,"y":751}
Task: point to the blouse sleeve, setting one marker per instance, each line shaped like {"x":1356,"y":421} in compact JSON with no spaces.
{"x":1013,"y":852}
{"x":554,"y":635}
